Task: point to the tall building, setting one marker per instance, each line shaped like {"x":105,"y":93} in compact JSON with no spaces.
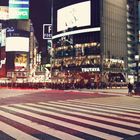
{"x":132,"y":37}
{"x":89,"y":40}
{"x":18,"y":49}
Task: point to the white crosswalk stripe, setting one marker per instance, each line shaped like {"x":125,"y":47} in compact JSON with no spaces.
{"x":15,"y":133}
{"x":82,"y":114}
{"x":69,"y":120}
{"x":84,"y":121}
{"x":87,"y":111}
{"x":44,"y":129}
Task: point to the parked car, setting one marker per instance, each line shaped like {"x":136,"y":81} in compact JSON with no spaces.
{"x":137,"y":88}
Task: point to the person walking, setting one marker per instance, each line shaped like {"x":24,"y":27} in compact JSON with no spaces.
{"x":130,"y":88}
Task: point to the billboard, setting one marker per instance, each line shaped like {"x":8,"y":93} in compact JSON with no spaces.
{"x":20,"y":62}
{"x":17,"y":40}
{"x":4,"y":13}
{"x":17,"y":44}
{"x":47,"y":31}
{"x":18,"y":9}
{"x":75,"y":15}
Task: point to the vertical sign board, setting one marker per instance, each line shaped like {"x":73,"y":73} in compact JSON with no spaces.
{"x":47,"y":31}
{"x":18,"y":9}
{"x":0,"y":34}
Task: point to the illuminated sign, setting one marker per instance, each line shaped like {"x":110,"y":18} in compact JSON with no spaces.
{"x":90,"y":69}
{"x":76,"y":15}
{"x":18,"y":9}
{"x":3,"y":37}
{"x":47,"y":31}
{"x":20,"y":62}
{"x":0,"y":33}
{"x":10,"y":29}
{"x":3,"y":12}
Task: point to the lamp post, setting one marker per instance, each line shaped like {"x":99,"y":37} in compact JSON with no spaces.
{"x":137,"y":58}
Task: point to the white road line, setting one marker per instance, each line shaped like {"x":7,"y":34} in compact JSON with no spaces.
{"x":100,"y":106}
{"x":66,"y":124}
{"x":109,"y":127}
{"x":93,"y":116}
{"x":129,"y":108}
{"x":15,"y":133}
{"x":97,"y":109}
{"x":117,"y":104}
{"x":42,"y":128}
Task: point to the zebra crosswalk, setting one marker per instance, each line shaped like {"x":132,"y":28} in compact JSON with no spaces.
{"x":68,"y":120}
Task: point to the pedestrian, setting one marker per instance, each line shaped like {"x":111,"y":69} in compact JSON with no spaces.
{"x":130,"y":89}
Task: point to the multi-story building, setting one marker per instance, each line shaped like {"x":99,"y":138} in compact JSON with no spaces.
{"x":89,"y":40}
{"x":18,"y":51}
{"x":132,"y":38}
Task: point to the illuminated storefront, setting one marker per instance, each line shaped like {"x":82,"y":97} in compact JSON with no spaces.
{"x":17,"y":53}
{"x":86,"y":48}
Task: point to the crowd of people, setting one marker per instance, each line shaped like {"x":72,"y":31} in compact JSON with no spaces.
{"x":62,"y":85}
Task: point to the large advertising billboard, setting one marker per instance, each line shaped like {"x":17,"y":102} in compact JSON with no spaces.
{"x":17,"y":44}
{"x":17,"y":40}
{"x":75,"y":15}
{"x":20,"y":62}
{"x":18,"y":9}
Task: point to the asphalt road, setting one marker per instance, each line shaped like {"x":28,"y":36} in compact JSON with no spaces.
{"x":68,"y":115}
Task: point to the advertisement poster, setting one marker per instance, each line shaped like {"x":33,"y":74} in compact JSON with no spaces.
{"x":20,"y":62}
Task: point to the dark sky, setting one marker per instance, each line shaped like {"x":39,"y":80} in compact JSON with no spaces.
{"x":40,"y":13}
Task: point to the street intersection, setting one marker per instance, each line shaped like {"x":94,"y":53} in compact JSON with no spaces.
{"x":46,"y":114}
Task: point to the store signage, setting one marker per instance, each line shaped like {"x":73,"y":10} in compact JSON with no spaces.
{"x":10,"y":29}
{"x":17,"y":74}
{"x":47,"y":31}
{"x":18,"y":9}
{"x":90,"y":69}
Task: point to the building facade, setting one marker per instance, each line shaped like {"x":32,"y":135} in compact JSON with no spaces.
{"x":132,"y":37}
{"x":89,"y":41}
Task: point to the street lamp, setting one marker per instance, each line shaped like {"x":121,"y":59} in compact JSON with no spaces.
{"x":137,"y":58}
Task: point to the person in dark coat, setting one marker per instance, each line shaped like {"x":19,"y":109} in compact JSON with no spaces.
{"x":130,"y":88}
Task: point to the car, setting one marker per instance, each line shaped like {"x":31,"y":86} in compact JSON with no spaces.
{"x":137,"y":88}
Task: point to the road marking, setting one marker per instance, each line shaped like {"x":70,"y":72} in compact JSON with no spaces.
{"x":96,"y":109}
{"x":120,"y":108}
{"x":62,"y":123}
{"x":15,"y":133}
{"x":135,"y":108}
{"x":85,"y":110}
{"x":45,"y":129}
{"x":93,"y":123}
{"x":71,"y":120}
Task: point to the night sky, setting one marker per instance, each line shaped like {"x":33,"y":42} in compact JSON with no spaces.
{"x":40,"y":14}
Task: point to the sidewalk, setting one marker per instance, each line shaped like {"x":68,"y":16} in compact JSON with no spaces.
{"x":123,"y":91}
{"x":109,"y":91}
